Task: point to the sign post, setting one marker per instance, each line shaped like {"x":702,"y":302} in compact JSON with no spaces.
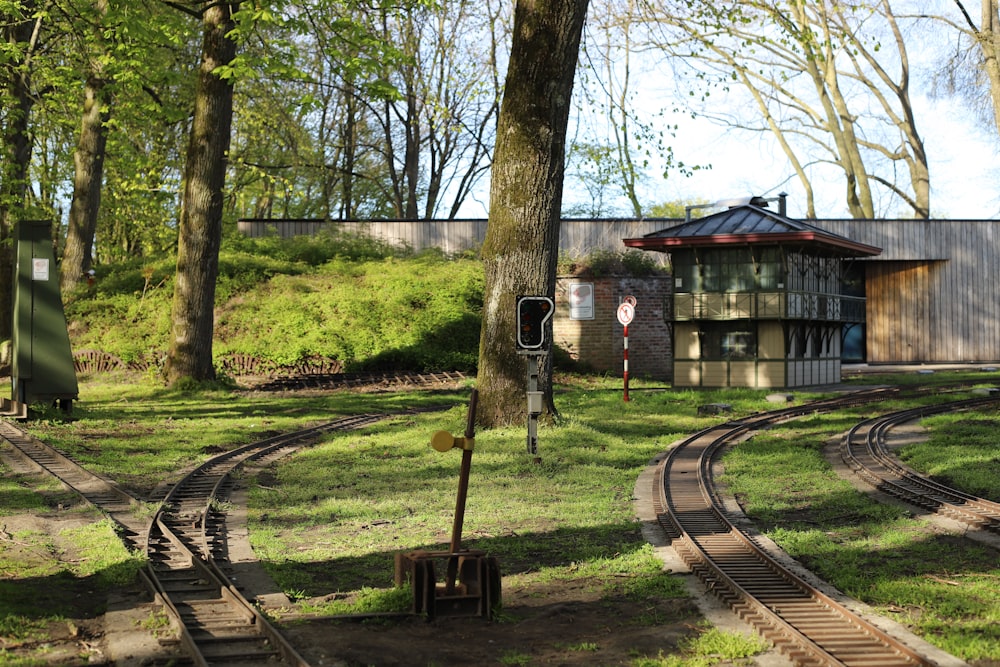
{"x":626,"y":313}
{"x":533,"y":313}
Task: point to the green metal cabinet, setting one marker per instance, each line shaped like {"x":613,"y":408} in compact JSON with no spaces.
{"x":42,"y":364}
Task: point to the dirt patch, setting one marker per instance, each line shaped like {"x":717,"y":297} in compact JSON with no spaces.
{"x":561,"y":624}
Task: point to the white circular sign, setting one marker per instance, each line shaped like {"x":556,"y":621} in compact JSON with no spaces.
{"x":626,"y":312}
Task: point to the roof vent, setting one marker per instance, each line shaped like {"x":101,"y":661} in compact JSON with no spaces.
{"x":760,"y":202}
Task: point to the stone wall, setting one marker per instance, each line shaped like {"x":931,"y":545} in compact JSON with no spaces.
{"x":598,"y":342}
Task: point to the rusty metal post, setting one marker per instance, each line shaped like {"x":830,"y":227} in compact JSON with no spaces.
{"x":463,"y":491}
{"x":463,"y":475}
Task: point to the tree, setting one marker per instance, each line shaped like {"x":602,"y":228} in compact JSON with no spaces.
{"x":200,"y":229}
{"x":89,"y":166}
{"x":522,"y":238}
{"x":968,"y":78}
{"x":616,"y":147}
{"x":811,"y":70}
{"x":22,"y":30}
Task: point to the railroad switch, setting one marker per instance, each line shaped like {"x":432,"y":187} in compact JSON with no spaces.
{"x":471,"y":584}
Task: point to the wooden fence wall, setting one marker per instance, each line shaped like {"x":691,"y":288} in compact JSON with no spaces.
{"x":576,"y":237}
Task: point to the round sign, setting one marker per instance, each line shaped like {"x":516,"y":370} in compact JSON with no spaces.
{"x":626,"y":312}
{"x":630,"y":300}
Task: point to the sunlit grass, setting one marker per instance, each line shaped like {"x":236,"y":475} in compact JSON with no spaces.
{"x":943,"y":587}
{"x":329,"y":520}
{"x":709,"y":647}
{"x":963,"y":450}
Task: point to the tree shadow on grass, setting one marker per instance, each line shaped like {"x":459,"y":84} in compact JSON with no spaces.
{"x":568,"y":549}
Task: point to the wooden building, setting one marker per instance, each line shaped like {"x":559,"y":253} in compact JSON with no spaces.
{"x":759,"y":299}
{"x":933,"y":295}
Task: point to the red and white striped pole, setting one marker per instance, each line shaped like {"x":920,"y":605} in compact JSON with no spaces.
{"x":626,"y":311}
{"x":625,"y":359}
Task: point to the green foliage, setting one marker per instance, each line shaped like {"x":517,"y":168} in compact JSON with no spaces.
{"x":313,"y":250}
{"x":601,"y":263}
{"x":673,"y":209}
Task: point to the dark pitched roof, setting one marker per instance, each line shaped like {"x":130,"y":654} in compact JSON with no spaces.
{"x":748,"y":224}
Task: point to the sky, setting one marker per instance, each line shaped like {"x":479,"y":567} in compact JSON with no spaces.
{"x":964,"y":168}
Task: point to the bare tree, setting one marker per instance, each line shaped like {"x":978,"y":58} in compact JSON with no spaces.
{"x":983,"y":72}
{"x":439,"y":134}
{"x":811,"y":70}
{"x":522,"y":239}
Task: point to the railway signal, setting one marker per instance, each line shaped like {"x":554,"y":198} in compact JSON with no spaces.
{"x":533,"y":312}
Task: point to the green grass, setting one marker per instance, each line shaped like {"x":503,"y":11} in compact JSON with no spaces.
{"x":710,"y":647}
{"x":942,"y":586}
{"x":355,"y":300}
{"x":360,"y":497}
{"x":328,"y":520}
{"x":962,"y":451}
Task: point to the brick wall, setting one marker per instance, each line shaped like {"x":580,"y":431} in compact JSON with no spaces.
{"x":598,"y":343}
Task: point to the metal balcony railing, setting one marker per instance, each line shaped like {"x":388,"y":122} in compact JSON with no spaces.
{"x":787,"y":305}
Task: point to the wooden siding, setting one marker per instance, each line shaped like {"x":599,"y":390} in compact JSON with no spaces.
{"x":576,"y":237}
{"x":933,"y":293}
{"x":770,"y":341}
{"x":756,"y":374}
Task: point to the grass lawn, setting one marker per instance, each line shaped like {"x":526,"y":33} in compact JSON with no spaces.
{"x":327,"y":520}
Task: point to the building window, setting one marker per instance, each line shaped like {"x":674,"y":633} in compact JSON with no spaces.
{"x":770,"y":269}
{"x":729,"y":270}
{"x":729,"y":340}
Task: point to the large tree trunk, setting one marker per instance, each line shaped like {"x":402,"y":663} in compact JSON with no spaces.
{"x":200,"y":233}
{"x":87,"y":182}
{"x":20,"y":32}
{"x":989,"y":42}
{"x":522,"y":240}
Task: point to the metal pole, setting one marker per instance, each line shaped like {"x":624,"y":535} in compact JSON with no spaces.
{"x":463,"y":489}
{"x":625,"y":354}
{"x":532,"y":415}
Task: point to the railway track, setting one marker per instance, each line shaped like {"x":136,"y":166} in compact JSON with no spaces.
{"x":865,"y":450}
{"x":353,"y":380}
{"x":186,"y":544}
{"x":804,"y":623}
{"x":119,"y":505}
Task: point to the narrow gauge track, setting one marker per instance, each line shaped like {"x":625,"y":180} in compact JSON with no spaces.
{"x":114,"y":501}
{"x":802,"y":622}
{"x":187,"y":553}
{"x":865,"y":450}
{"x":350,"y":380}
{"x":186,"y":544}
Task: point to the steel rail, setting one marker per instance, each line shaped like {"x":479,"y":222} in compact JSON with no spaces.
{"x":866,"y":452}
{"x":185,"y":543}
{"x":116,"y":503}
{"x":805,"y":624}
{"x":186,"y":552}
